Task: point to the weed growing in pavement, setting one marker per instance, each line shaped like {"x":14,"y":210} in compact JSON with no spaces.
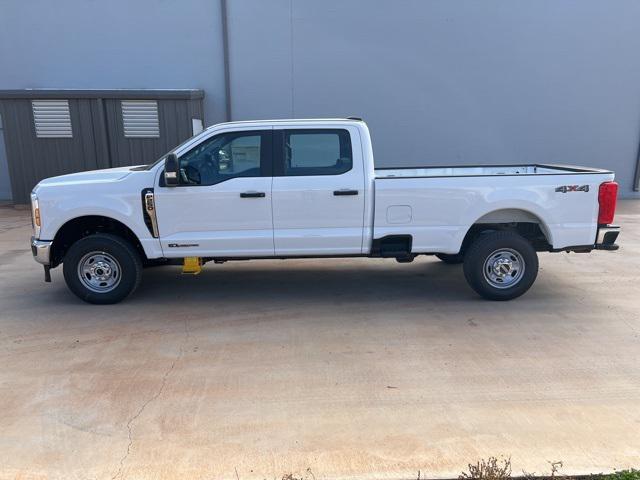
{"x":500,"y":469}
{"x":490,"y":469}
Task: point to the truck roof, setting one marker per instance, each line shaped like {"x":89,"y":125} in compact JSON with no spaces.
{"x":288,"y":120}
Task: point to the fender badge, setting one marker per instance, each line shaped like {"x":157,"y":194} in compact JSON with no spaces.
{"x":182,"y":245}
{"x":573,"y":188}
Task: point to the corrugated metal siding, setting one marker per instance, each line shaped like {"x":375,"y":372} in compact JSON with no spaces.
{"x":52,"y":118}
{"x":5,"y":179}
{"x":33,"y":158}
{"x":174,"y":118}
{"x":98,"y":138}
{"x":140,"y":118}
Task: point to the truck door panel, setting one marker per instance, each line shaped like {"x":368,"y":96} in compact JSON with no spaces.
{"x":318,"y":191}
{"x":222,"y":206}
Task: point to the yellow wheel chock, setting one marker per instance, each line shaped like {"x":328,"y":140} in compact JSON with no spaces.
{"x":192,"y":265}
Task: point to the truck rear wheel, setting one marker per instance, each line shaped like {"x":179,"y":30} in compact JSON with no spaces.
{"x":500,"y":265}
{"x":102,"y":269}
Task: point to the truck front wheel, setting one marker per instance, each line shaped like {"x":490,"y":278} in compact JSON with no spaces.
{"x":500,"y":265}
{"x":102,"y":268}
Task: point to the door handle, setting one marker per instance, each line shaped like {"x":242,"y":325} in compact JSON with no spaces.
{"x":252,"y":195}
{"x":338,"y":193}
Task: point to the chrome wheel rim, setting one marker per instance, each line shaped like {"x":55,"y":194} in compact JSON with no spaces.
{"x":504,"y":268}
{"x":99,"y":272}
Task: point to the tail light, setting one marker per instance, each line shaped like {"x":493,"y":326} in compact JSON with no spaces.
{"x":607,"y":196}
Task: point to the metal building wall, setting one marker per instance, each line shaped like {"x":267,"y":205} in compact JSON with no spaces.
{"x":450,"y":81}
{"x":438,"y":81}
{"x":5,"y":180}
{"x":32,"y":159}
{"x":98,"y":139}
{"x":175,"y":126}
{"x":142,"y":44}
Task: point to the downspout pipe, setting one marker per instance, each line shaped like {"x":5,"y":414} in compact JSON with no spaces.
{"x":636,"y":179}
{"x":225,"y":52}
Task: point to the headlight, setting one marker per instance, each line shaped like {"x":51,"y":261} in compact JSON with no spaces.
{"x":36,"y":221}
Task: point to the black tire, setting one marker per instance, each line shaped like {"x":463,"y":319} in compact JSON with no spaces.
{"x":514,"y":258}
{"x":451,"y":259}
{"x":112,"y":251}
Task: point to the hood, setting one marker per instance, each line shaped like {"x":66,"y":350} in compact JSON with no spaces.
{"x":93,"y":176}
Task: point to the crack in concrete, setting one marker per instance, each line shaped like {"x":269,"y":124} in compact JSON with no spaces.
{"x":154,"y":397}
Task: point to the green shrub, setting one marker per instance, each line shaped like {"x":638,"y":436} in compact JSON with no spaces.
{"x":632,"y":474}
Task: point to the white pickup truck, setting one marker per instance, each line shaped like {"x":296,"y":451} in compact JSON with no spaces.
{"x":309,"y":188}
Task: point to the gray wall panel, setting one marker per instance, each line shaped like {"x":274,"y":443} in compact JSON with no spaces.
{"x":5,"y":180}
{"x":438,"y":81}
{"x":97,"y":140}
{"x":452,"y":82}
{"x":175,"y":126}
{"x":115,"y":44}
{"x":32,"y":159}
{"x":260,"y":59}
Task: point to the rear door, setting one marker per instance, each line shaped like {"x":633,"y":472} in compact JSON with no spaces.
{"x":318,"y":191}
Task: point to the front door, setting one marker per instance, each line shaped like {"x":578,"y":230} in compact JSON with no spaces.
{"x":222,"y":207}
{"x":318,"y":191}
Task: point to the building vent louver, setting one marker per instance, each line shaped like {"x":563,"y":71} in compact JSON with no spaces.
{"x":140,"y":118}
{"x":52,"y":118}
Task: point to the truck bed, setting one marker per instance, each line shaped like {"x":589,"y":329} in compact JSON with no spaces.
{"x":483,"y":171}
{"x":436,"y":206}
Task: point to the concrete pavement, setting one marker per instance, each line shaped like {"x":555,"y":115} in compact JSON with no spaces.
{"x":351,"y":368}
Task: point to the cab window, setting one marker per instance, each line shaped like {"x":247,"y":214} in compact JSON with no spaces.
{"x":317,"y":152}
{"x":226,"y":156}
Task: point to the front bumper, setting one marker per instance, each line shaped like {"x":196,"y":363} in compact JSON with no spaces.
{"x":607,"y":236}
{"x":41,"y":250}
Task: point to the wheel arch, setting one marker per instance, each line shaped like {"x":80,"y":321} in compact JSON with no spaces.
{"x":521,"y":220}
{"x":85,"y":225}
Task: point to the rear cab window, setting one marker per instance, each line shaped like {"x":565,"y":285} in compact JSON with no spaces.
{"x":315,"y":152}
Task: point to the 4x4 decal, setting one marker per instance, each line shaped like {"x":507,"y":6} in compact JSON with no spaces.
{"x":572,"y":188}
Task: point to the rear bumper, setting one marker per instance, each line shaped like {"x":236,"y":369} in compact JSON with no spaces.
{"x":607,"y":236}
{"x":41,"y":250}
